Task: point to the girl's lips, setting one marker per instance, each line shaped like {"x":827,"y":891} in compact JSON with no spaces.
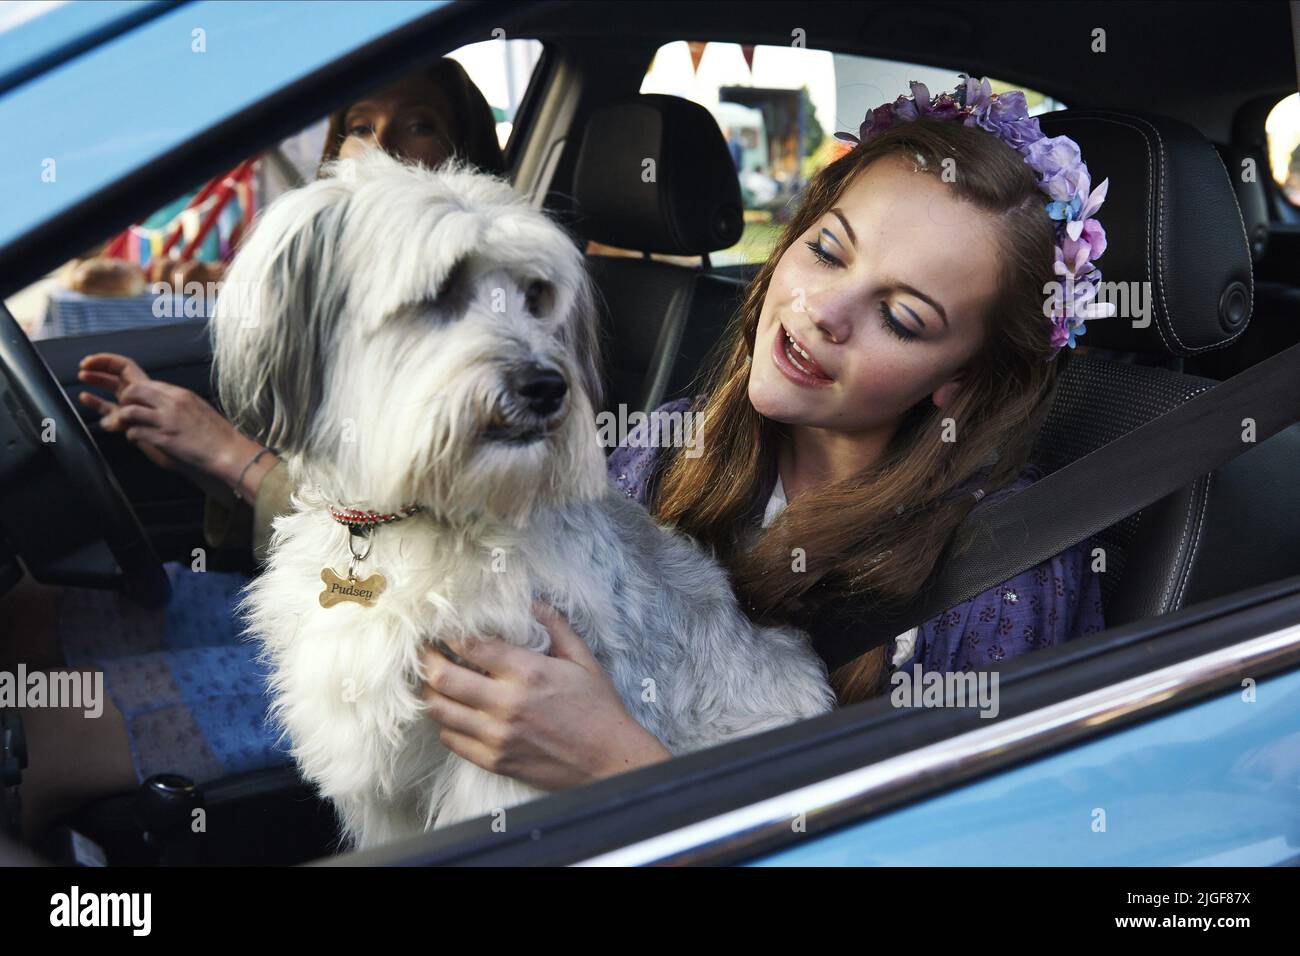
{"x":795,"y":374}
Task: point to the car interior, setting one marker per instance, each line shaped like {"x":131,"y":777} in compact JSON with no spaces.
{"x":1221,"y":258}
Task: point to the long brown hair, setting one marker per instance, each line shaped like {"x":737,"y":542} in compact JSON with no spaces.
{"x":473,"y":128}
{"x":878,"y":533}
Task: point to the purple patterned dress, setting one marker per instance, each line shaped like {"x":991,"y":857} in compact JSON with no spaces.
{"x":1049,"y":604}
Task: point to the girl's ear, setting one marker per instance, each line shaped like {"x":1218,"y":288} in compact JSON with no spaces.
{"x":945,"y":393}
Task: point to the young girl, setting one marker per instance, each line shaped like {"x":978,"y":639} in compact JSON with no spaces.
{"x":887,"y":370}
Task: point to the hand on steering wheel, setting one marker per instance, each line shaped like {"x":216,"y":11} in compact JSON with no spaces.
{"x":115,"y":373}
{"x":173,"y":426}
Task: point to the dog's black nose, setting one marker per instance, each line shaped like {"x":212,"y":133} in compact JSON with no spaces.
{"x":541,"y":387}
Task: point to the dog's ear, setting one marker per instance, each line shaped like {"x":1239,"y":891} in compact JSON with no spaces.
{"x":276,"y":315}
{"x":584,"y":339}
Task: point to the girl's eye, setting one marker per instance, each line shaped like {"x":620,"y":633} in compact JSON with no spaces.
{"x":421,"y":129}
{"x":821,"y":255}
{"x":359,"y":129}
{"x":892,"y":324}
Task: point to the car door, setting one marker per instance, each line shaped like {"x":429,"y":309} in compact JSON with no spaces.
{"x":1169,"y":741}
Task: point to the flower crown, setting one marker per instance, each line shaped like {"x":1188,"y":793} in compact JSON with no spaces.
{"x":1062,"y":175}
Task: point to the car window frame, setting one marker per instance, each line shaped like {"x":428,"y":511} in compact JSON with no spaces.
{"x":781,"y":754}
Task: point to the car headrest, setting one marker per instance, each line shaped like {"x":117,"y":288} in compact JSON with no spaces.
{"x":1172,"y":222}
{"x":1248,"y":170}
{"x":654,"y":174}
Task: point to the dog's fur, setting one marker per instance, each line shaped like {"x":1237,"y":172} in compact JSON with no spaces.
{"x":370,"y":329}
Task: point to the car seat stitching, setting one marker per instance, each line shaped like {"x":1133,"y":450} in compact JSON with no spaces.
{"x":1250,"y":273}
{"x":1156,"y":261}
{"x":1182,"y":538}
{"x":1191,"y":557}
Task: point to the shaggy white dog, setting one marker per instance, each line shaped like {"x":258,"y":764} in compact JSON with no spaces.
{"x":413,"y":337}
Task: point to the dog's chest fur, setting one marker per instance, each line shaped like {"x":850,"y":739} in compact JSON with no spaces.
{"x":658,"y":614}
{"x":352,"y":672}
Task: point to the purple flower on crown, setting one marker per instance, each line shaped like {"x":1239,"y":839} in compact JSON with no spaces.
{"x":1061,"y":335}
{"x":973,"y":93}
{"x":1059,"y":166}
{"x":1083,"y":205}
{"x":1074,"y":301}
{"x":1066,"y":326}
{"x":873,"y":124}
{"x":1090,"y":244}
{"x":920,"y":106}
{"x":1006,"y":115}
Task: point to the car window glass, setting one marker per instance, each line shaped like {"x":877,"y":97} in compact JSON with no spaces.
{"x":1283,"y":132}
{"x":779,"y":109}
{"x":107,"y":296}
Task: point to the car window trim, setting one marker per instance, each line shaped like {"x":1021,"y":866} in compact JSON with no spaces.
{"x":765,"y":826}
{"x":525,"y":119}
{"x":97,"y":35}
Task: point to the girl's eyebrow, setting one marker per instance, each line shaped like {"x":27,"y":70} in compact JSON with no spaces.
{"x":847,"y":228}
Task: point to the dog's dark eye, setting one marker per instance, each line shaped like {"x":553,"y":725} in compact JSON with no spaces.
{"x":539,"y":298}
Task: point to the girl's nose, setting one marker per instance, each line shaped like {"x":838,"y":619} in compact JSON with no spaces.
{"x":833,"y":319}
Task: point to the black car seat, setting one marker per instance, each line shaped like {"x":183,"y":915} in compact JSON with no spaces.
{"x":653,"y":174}
{"x":1275,"y":320}
{"x":1172,"y":221}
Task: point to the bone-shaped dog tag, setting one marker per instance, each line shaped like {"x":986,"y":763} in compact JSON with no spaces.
{"x":338,"y":590}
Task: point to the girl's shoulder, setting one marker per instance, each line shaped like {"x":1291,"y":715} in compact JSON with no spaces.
{"x":631,"y":465}
{"x":1053,"y":602}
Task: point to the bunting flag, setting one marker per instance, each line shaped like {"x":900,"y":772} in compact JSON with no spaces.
{"x":697,"y":53}
{"x":137,"y":247}
{"x":210,"y":207}
{"x":246,"y":193}
{"x":227,"y":222}
{"x":748,"y":53}
{"x":189,"y":222}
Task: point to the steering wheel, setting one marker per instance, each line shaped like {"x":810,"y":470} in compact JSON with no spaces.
{"x":61,"y":509}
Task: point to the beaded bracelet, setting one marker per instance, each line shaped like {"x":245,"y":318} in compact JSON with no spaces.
{"x":239,"y":482}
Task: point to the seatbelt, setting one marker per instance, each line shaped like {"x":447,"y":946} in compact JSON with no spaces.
{"x":1006,"y":537}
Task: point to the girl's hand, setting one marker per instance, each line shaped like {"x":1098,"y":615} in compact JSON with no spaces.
{"x":551,"y":722}
{"x":173,"y":426}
